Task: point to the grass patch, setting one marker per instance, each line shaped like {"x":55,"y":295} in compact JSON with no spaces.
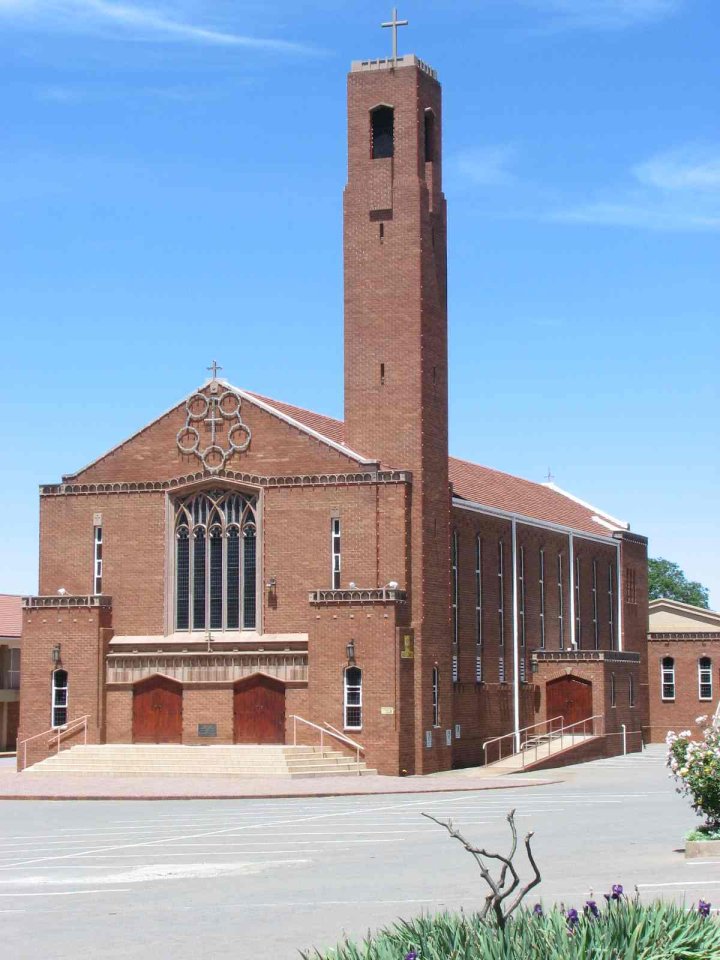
{"x":622,"y":930}
{"x":704,"y":833}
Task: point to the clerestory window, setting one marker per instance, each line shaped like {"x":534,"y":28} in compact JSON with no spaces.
{"x":216,"y":561}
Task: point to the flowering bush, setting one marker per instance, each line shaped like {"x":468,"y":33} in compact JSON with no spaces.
{"x":695,"y":765}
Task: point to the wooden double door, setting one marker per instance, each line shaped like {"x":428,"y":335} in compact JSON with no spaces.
{"x":570,"y":698}
{"x":157,"y":711}
{"x":259,"y":710}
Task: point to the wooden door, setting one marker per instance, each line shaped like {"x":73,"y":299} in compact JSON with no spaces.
{"x":571,"y":699}
{"x":259,"y":710}
{"x":157,"y":711}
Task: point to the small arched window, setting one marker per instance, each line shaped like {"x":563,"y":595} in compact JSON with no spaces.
{"x":436,"y":697}
{"x":429,"y":136}
{"x":352,"y":705}
{"x":382,"y":123}
{"x":59,"y":698}
{"x":705,"y":680}
{"x":667,"y":678}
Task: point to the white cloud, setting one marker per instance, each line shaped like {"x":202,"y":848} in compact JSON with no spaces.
{"x":485,"y":166}
{"x":135,"y":20}
{"x":606,"y":14}
{"x":674,"y":190}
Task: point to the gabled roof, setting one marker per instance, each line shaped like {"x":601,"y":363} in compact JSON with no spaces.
{"x":682,"y":616}
{"x":10,"y":615}
{"x":489,"y":488}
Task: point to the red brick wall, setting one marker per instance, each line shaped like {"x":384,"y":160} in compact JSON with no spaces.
{"x":682,"y":712}
{"x":82,"y":634}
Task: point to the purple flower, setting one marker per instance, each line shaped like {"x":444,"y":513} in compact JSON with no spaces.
{"x":703,"y":908}
{"x":592,"y":907}
{"x":538,"y":910}
{"x":572,"y":917}
{"x":617,"y":892}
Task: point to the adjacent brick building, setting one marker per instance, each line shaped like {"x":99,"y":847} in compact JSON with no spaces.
{"x":240,"y":561}
{"x":10,"y":636}
{"x":683,"y":666}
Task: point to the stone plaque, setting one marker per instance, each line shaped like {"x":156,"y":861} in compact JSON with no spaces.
{"x":207,"y":729}
{"x":387,"y":711}
{"x":407,"y":645}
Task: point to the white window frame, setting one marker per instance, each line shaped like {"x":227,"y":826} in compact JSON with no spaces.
{"x":97,"y":560}
{"x":54,"y":705}
{"x":436,"y":697}
{"x":708,"y":675}
{"x":455,"y":668}
{"x":336,"y":554}
{"x":666,"y":672}
{"x":501,"y":669}
{"x":355,"y":706}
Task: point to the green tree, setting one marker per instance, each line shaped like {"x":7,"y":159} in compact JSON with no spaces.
{"x":666,"y":579}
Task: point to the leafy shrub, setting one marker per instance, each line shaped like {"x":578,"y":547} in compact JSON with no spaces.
{"x":695,"y":765}
{"x":621,"y":930}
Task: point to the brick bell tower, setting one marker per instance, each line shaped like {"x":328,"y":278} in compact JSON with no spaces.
{"x":396,"y":373}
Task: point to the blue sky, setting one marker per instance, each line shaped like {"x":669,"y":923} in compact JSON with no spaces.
{"x":170,"y":192}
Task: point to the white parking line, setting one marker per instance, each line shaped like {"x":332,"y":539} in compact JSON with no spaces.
{"x":683,"y":883}
{"x":65,"y":893}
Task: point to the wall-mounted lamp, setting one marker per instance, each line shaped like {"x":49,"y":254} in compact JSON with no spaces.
{"x":271,"y":583}
{"x":56,"y":653}
{"x":393,"y":585}
{"x":350,"y":651}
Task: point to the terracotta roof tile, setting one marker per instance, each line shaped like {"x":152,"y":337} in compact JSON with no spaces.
{"x":10,"y":615}
{"x":482,"y":485}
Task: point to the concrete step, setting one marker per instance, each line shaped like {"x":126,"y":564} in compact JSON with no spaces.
{"x":176,"y":760}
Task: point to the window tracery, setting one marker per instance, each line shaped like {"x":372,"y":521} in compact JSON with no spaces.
{"x":216,"y":561}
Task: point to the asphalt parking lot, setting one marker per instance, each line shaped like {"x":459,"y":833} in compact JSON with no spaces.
{"x":263,"y":878}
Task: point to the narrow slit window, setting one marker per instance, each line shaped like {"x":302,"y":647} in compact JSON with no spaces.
{"x":613,"y":691}
{"x":631,"y":691}
{"x":521,"y":595}
{"x":478,"y":610}
{"x":595,"y":620}
{"x":352,"y":699}
{"x":542,"y":598}
{"x":59,"y":698}
{"x":454,"y":561}
{"x":97,"y":560}
{"x":501,"y":593}
{"x":667,"y":678}
{"x":578,"y":615}
{"x":705,"y":679}
{"x":336,"y":556}
{"x":382,"y":122}
{"x":560,"y":600}
{"x":436,"y":697}
{"x":611,"y":605}
{"x":429,"y":136}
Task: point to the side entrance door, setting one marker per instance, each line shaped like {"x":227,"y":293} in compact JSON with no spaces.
{"x":157,"y":711}
{"x":259,"y":710}
{"x":569,"y":698}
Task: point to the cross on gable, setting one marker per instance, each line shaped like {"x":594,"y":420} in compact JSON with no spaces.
{"x":394,"y":24}
{"x":213,"y":368}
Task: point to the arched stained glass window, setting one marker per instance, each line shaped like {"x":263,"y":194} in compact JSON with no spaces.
{"x":216,"y":561}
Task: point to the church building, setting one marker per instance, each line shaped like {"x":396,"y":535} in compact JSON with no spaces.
{"x":240,"y":562}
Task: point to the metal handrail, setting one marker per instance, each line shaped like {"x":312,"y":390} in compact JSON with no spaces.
{"x":516,"y":734}
{"x":57,"y":732}
{"x":331,"y":731}
{"x":560,"y":735}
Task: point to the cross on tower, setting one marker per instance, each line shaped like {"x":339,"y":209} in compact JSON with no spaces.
{"x":213,"y":368}
{"x":394,"y":24}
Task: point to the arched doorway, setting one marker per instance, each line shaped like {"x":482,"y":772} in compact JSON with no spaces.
{"x":157,"y":710}
{"x":259,"y":710}
{"x":570,"y":698}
